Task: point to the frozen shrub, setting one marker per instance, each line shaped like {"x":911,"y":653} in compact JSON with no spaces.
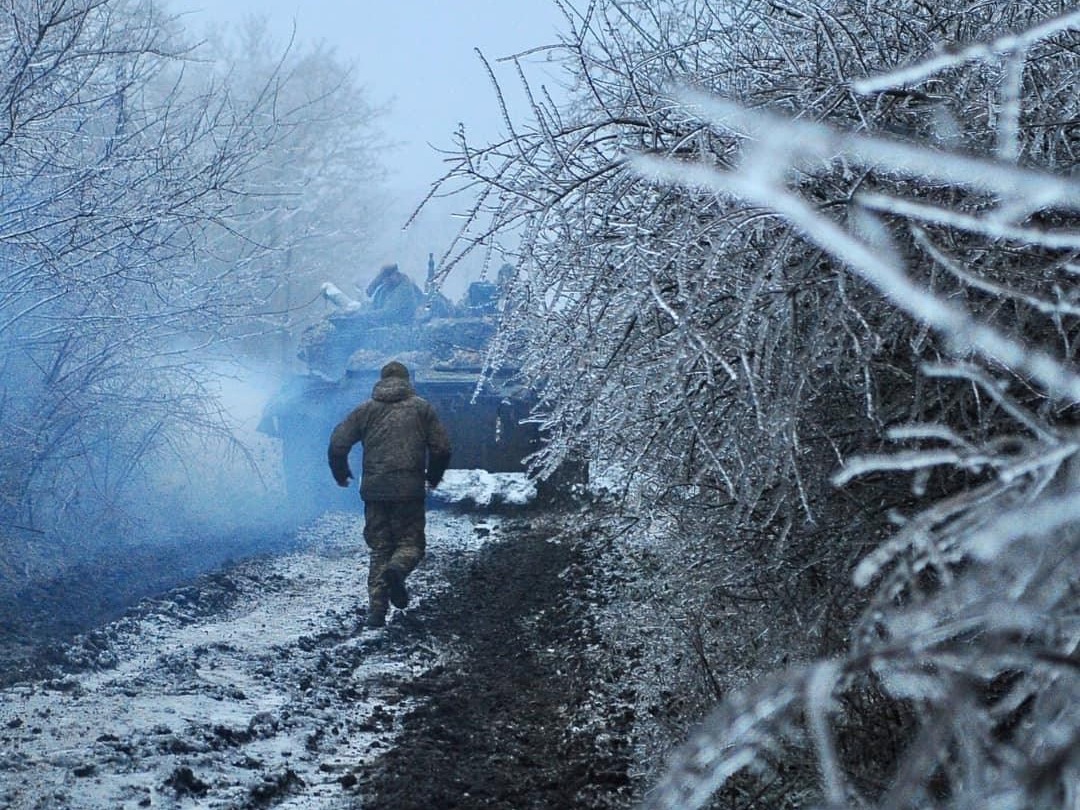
{"x":804,"y":272}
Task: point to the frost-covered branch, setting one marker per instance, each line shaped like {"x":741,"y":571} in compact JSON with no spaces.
{"x":980,"y":51}
{"x":989,"y":227}
{"x":780,"y":143}
{"x":960,"y":326}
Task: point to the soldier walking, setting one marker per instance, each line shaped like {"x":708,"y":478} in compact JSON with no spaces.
{"x":405,"y":448}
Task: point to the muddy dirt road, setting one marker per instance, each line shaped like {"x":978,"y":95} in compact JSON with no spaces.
{"x":500,"y":724}
{"x":260,"y":687}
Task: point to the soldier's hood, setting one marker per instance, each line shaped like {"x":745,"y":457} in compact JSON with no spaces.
{"x":392,"y":389}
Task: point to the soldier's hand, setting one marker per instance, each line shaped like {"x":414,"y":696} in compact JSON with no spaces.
{"x":343,"y":482}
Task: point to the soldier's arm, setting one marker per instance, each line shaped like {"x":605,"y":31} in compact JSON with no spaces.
{"x":344,"y":436}
{"x":438,"y":444}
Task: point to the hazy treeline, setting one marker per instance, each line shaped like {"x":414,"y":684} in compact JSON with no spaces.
{"x":804,"y":273}
{"x":163,"y":200}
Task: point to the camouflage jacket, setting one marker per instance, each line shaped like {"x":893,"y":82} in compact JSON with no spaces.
{"x":404,"y":443}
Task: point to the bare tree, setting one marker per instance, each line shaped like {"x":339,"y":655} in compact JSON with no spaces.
{"x":129,"y":175}
{"x":314,"y":203}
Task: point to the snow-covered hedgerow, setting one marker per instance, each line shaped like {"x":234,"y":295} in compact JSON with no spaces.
{"x":805,"y":271}
{"x":971,"y":622}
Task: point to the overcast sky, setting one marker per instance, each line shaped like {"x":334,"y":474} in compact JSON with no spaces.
{"x":416,"y":54}
{"x":418,"y":57}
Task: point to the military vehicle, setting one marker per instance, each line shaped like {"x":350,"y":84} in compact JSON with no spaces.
{"x":443,"y":346}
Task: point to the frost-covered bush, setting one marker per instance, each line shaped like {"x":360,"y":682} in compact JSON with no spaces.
{"x":764,"y":240}
{"x":971,"y":624}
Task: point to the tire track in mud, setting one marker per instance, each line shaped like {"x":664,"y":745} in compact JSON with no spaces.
{"x":505,"y":721}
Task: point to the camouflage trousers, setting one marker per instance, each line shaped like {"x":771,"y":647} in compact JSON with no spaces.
{"x":394,"y":531}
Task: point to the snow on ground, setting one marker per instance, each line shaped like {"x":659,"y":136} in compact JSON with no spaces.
{"x":485,"y":488}
{"x":275,"y":697}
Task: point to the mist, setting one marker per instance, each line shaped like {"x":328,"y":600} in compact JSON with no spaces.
{"x":162,"y":252}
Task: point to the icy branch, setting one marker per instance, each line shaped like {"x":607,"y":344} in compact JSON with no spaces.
{"x":1060,"y":381}
{"x":909,"y":461}
{"x":899,"y":433}
{"x":819,"y":702}
{"x":1054,"y":240}
{"x":1008,"y":147}
{"x":995,"y":390}
{"x":729,"y":741}
{"x":982,"y":52}
{"x":1046,"y":516}
{"x":810,"y":140}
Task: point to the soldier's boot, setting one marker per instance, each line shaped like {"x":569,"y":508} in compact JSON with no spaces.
{"x":376,"y":616}
{"x":395,"y":587}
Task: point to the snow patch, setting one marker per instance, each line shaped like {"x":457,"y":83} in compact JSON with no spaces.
{"x":485,"y":488}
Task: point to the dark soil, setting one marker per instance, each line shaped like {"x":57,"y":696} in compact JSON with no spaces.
{"x":502,"y":724}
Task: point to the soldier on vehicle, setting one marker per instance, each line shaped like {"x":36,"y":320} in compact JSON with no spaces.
{"x":395,"y":298}
{"x":405,"y":447}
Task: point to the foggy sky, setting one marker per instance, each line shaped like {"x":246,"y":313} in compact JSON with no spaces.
{"x":418,"y":57}
{"x":416,"y":54}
